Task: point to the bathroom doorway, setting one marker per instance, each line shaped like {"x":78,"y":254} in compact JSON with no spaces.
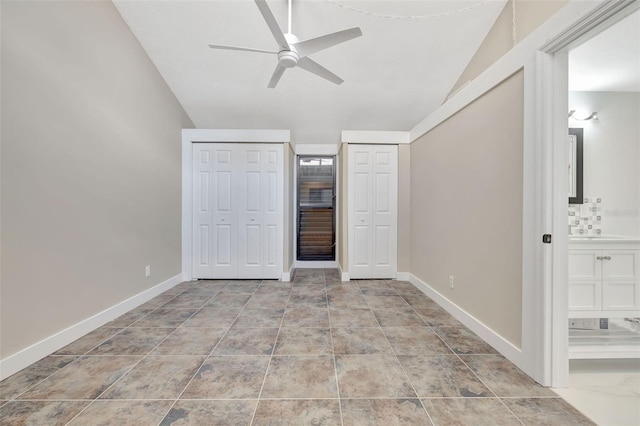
{"x":604,"y":225}
{"x":551,"y":117}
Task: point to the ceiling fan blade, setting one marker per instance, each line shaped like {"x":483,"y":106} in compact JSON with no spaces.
{"x":244,"y":49}
{"x":276,"y":76}
{"x":317,"y":69}
{"x":308,"y":47}
{"x":272,"y":23}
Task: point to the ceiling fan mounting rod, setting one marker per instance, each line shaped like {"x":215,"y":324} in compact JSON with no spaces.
{"x":289,"y":20}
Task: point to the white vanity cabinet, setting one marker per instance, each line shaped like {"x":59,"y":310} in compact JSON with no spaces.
{"x":604,"y":282}
{"x":604,"y":278}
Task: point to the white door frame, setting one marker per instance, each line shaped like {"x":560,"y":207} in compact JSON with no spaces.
{"x":321,"y":150}
{"x":191,"y":136}
{"x":552,"y":92}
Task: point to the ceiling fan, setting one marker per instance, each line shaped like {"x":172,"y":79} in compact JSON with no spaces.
{"x":293,"y":52}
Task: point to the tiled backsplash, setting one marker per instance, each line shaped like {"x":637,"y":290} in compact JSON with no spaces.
{"x":585,"y":219}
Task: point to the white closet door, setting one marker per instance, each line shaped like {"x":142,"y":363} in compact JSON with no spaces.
{"x":250,"y":215}
{"x":202,"y":210}
{"x":273,"y":210}
{"x":238,"y":210}
{"x":260,"y":212}
{"x":373,"y":198}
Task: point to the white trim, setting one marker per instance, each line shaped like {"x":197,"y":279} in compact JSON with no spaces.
{"x":403,"y":276}
{"x":187,"y":207}
{"x":600,"y":18}
{"x":236,"y":135}
{"x":556,"y":205}
{"x":49,"y":345}
{"x":286,"y":276}
{"x":531,"y":301}
{"x":375,"y":137}
{"x":499,"y":343}
{"x":316,"y":149}
{"x":344,"y":276}
{"x":315,"y":264}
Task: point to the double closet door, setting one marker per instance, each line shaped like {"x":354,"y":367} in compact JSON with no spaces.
{"x":238,"y":210}
{"x":373,"y":210}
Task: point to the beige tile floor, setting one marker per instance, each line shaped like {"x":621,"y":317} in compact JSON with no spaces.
{"x":313,"y":351}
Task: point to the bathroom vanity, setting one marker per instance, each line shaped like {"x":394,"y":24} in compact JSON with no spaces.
{"x":604,"y":283}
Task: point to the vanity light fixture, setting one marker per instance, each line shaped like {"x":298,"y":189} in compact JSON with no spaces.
{"x":582,"y":115}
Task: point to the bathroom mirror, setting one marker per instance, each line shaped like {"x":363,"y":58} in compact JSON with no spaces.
{"x":575,"y":166}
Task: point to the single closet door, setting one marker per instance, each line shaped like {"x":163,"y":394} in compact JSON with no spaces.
{"x":373,"y":199}
{"x":238,"y":210}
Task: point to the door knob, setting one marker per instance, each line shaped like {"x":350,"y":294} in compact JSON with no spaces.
{"x":607,"y":258}
{"x":361,"y":220}
{"x":223,"y":219}
{"x":253,"y":219}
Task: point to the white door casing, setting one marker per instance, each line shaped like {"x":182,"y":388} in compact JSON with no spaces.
{"x":237,"y":210}
{"x":372,"y":210}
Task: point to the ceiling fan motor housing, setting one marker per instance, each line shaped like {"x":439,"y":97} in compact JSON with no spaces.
{"x":288,"y":58}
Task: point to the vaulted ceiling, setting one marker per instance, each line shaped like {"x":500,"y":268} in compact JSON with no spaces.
{"x":410,"y":55}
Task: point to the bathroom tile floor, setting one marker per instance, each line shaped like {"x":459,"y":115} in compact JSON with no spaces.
{"x":606,"y":390}
{"x":314,"y":351}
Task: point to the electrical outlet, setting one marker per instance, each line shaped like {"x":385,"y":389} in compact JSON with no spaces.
{"x":450,"y":281}
{"x":147,"y":270}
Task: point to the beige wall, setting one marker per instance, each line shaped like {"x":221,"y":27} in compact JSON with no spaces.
{"x":91,"y":168}
{"x":530,"y":14}
{"x":466,"y":208}
{"x":404,"y":208}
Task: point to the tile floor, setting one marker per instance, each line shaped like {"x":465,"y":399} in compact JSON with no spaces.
{"x":313,"y":351}
{"x":606,"y":390}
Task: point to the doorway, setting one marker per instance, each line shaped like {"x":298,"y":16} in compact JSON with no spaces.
{"x":316,"y":208}
{"x":554,"y":107}
{"x":604,"y":223}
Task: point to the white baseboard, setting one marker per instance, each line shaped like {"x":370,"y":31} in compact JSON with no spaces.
{"x":286,"y":276}
{"x":316,"y":264}
{"x":344,"y":276}
{"x":402,"y":276}
{"x":49,"y":345}
{"x":499,"y":343}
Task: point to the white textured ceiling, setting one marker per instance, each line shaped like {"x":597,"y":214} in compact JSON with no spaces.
{"x":610,"y":61}
{"x":395,"y":75}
